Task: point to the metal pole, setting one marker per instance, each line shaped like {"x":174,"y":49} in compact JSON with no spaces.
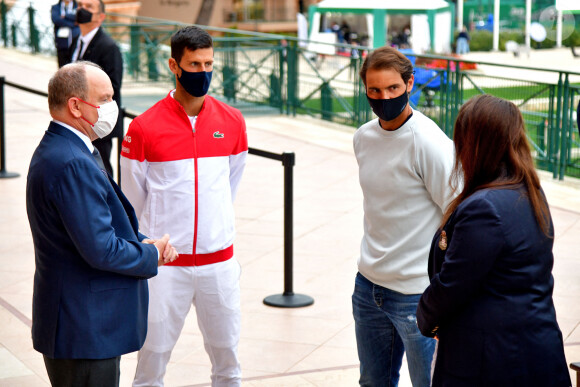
{"x":456,"y":96}
{"x":563,"y":128}
{"x":550,"y":158}
{"x":449,"y":87}
{"x":282,"y":58}
{"x":3,"y":11}
{"x":459,"y":15}
{"x":288,"y":299}
{"x":288,"y":161}
{"x":528,"y":23}
{"x":556,"y":128}
{"x":559,"y":28}
{"x":3,"y":173}
{"x":34,"y":42}
{"x":292,"y":78}
{"x":134,"y":50}
{"x":496,"y":26}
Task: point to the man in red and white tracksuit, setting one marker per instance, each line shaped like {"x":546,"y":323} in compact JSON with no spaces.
{"x":182,"y":161}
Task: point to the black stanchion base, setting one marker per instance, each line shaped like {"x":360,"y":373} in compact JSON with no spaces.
{"x":289,"y":300}
{"x":7,"y":175}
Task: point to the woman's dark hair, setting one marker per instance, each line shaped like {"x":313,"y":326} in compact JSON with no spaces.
{"x":190,"y":37}
{"x":492,"y":151}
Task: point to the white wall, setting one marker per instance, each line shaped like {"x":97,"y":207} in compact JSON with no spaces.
{"x":443,"y":23}
{"x":420,"y":41}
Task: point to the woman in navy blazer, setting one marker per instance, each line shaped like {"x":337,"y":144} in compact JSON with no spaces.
{"x":490,"y":298}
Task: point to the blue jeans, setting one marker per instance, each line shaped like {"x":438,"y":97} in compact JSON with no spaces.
{"x":386,"y":327}
{"x":462,"y":46}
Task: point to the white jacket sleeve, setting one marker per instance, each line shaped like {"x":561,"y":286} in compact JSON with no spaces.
{"x":237,"y":165}
{"x":133,"y":183}
{"x":134,"y":168}
{"x":238,"y":160}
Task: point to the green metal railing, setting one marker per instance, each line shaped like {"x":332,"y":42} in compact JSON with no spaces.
{"x":19,"y":28}
{"x":268,"y":73}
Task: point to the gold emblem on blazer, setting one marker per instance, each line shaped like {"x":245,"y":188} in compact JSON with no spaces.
{"x":443,"y":241}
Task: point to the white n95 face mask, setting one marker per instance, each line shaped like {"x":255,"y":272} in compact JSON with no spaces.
{"x":108,"y":114}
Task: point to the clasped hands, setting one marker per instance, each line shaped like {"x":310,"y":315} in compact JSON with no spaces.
{"x":167,"y":252}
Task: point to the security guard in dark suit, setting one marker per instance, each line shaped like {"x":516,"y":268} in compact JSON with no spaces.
{"x":94,"y":45}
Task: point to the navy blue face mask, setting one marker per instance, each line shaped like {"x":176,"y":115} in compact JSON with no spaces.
{"x":196,"y":84}
{"x":83,"y":16}
{"x":389,"y":109}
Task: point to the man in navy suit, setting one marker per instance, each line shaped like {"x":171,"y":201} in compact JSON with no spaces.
{"x":90,"y":295}
{"x":63,"y":16}
{"x":94,"y":45}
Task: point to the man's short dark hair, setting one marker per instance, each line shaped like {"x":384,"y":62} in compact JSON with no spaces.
{"x":190,"y":37}
{"x":387,"y":58}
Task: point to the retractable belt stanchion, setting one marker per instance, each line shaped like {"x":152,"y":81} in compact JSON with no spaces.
{"x":3,"y":173}
{"x":288,"y":299}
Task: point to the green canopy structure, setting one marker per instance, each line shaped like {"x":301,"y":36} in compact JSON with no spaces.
{"x":432,"y":21}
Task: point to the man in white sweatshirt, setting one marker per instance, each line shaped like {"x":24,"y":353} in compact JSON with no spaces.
{"x":404,"y":165}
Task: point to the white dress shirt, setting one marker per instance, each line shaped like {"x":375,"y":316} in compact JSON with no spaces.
{"x":86,"y":39}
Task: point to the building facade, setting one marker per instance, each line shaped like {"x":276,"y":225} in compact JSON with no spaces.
{"x":253,"y":15}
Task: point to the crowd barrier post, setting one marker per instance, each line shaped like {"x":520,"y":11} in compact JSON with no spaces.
{"x":3,"y":173}
{"x":288,"y":299}
{"x":576,"y":367}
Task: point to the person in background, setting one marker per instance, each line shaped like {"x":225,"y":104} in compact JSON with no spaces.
{"x":402,"y":40}
{"x":404,"y":161}
{"x":89,"y":304}
{"x":63,"y":16}
{"x":345,"y":31}
{"x":181,"y":166}
{"x":94,"y":45}
{"x":462,"y":42}
{"x":490,"y":298}
{"x":334,"y":27}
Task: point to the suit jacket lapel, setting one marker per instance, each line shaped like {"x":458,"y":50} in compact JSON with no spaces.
{"x":87,"y":55}
{"x":58,"y":129}
{"x":94,"y":41}
{"x":126,"y":205}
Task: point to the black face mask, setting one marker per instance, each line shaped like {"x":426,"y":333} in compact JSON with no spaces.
{"x":83,"y":16}
{"x":196,"y":84}
{"x":389,"y":109}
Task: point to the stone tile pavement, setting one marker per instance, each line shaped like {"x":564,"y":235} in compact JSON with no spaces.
{"x":312,"y":346}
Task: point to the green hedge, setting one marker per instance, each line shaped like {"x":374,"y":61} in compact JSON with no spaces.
{"x":481,"y":40}
{"x":573,"y":40}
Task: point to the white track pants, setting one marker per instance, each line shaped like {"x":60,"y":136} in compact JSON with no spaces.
{"x":214,"y":290}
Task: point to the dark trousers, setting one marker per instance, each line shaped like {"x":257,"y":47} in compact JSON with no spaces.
{"x":104,"y":145}
{"x":83,"y":372}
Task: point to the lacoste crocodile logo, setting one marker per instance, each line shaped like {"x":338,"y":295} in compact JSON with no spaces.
{"x":217,"y":134}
